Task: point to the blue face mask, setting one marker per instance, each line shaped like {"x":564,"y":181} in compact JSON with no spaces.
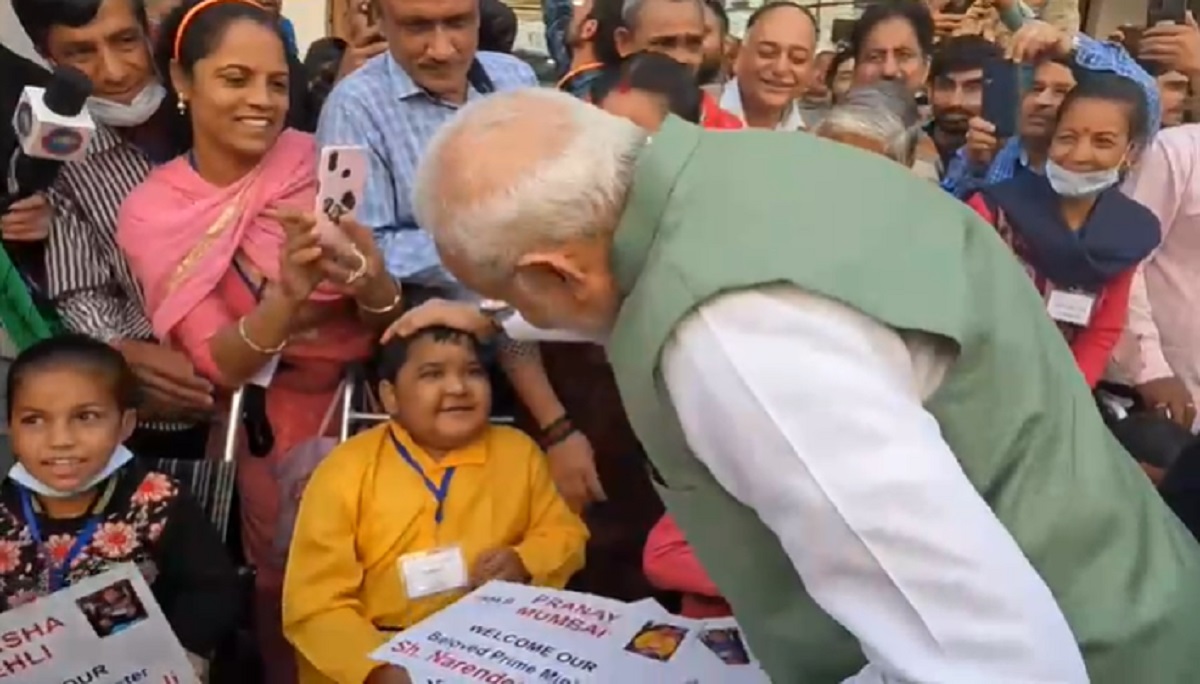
{"x":1081,"y":183}
{"x":23,"y":477}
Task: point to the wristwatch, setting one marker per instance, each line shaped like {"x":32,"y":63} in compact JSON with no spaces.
{"x":497,"y":312}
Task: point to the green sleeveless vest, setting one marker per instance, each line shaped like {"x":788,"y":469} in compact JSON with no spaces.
{"x":717,"y":212}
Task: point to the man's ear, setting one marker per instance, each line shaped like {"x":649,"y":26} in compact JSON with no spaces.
{"x":623,"y":39}
{"x":129,"y":419}
{"x":542,"y":269}
{"x":925,"y":70}
{"x":588,"y":29}
{"x":387,"y":397}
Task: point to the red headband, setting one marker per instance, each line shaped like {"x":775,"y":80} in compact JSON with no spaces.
{"x":191,"y":14}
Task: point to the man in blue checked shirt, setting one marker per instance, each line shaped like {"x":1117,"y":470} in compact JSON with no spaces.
{"x":1060,"y":57}
{"x":393,"y":105}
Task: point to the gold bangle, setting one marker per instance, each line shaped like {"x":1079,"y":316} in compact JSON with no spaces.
{"x":265,"y":351}
{"x":390,"y":307}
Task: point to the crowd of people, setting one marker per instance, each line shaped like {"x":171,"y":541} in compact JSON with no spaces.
{"x":917,"y":392}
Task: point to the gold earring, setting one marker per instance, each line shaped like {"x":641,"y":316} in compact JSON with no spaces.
{"x":182,"y":106}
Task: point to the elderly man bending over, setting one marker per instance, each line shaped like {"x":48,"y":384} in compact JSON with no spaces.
{"x":858,"y":411}
{"x":881,"y":118}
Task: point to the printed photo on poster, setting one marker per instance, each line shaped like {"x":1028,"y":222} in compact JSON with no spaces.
{"x":657,"y":641}
{"x":112,"y":609}
{"x":726,"y":643}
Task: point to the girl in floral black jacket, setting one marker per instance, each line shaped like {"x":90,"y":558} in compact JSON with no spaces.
{"x":76,"y":502}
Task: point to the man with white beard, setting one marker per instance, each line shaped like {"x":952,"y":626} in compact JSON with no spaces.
{"x":858,"y":412}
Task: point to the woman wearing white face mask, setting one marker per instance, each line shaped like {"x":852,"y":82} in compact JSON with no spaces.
{"x":1072,"y":229}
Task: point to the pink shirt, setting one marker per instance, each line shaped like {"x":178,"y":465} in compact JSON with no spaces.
{"x":1163,"y":334}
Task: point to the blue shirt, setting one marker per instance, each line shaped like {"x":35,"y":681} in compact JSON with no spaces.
{"x":380,"y":107}
{"x":1090,"y":55}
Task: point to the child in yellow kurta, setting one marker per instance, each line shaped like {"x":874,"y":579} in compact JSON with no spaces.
{"x":437,"y":479}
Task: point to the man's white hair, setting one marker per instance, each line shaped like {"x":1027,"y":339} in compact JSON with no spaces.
{"x":882,"y":111}
{"x":522,"y":169}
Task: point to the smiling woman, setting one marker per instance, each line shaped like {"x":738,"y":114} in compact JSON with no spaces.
{"x":240,"y":283}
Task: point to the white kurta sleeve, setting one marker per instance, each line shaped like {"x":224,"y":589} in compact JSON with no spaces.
{"x":812,"y":414}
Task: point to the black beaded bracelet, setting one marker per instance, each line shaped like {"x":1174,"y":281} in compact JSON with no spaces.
{"x":555,"y":433}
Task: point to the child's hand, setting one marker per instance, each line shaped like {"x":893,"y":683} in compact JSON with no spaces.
{"x":498,"y":564}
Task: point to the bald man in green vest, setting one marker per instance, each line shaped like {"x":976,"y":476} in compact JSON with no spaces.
{"x":855,"y":404}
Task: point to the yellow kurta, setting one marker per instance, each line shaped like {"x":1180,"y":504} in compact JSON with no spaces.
{"x":365,"y":507}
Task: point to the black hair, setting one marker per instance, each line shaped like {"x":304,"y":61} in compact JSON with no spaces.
{"x":607,"y":14}
{"x":37,"y":17}
{"x":77,"y":351}
{"x":203,"y":33}
{"x":657,"y":74}
{"x":722,"y":16}
{"x":611,"y":15}
{"x":1112,"y":88}
{"x":839,"y":58}
{"x":912,"y":11}
{"x":768,"y":7}
{"x":393,"y":355}
{"x":962,"y":53}
{"x":497,"y":26}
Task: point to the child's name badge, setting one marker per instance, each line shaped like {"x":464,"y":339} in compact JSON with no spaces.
{"x":436,"y":571}
{"x":265,"y":374}
{"x":1071,"y":307}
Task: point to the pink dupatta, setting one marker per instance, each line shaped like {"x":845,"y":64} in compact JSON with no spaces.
{"x":180,"y":233}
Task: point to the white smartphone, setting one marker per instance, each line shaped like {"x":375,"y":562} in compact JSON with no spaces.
{"x":341,"y":177}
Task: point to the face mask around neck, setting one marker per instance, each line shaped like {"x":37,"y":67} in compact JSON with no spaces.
{"x":23,"y":477}
{"x":1069,"y":183}
{"x":136,"y":113}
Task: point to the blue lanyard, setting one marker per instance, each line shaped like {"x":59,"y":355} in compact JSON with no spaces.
{"x":439,"y":492}
{"x":58,"y":575}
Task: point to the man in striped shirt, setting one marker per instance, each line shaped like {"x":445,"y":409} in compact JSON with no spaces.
{"x":88,"y":277}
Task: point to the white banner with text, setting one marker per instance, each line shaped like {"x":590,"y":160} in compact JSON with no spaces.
{"x":107,"y":629}
{"x":514,"y":634}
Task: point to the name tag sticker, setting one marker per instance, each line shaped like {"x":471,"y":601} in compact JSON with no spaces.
{"x":1071,"y":307}
{"x":436,"y":571}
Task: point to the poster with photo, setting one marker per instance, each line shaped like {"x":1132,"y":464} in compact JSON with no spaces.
{"x":107,"y":628}
{"x":667,"y":647}
{"x":515,"y":634}
{"x":511,"y":633}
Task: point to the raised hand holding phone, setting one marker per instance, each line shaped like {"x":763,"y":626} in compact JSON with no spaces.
{"x":1001,"y":97}
{"x":342,"y":178}
{"x":1175,"y":46}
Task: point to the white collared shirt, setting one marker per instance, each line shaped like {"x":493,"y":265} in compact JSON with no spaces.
{"x":731,"y":101}
{"x":812,"y":414}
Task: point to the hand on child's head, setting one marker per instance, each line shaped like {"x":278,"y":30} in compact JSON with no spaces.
{"x":434,"y":384}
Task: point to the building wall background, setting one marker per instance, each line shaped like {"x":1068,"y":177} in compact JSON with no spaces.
{"x":1105,"y":16}
{"x":309,"y":18}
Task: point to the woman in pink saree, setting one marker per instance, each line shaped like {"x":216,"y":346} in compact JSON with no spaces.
{"x":233,"y":272}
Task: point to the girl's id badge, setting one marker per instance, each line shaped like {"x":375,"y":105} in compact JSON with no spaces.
{"x":436,"y":571}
